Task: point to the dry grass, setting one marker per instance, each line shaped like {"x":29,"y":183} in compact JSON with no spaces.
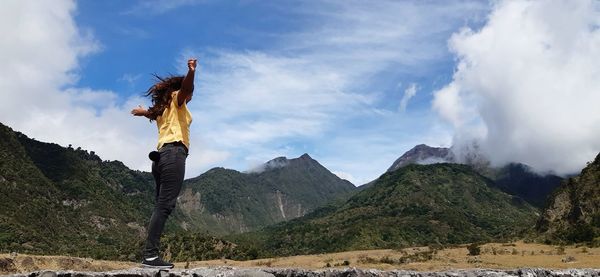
{"x":493,"y":255}
{"x":27,"y":263}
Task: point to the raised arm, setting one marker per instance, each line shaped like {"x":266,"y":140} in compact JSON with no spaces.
{"x":187,"y":86}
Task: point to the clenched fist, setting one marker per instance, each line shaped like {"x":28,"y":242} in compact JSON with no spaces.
{"x":191,"y":64}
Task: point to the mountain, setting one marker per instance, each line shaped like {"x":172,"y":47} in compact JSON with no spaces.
{"x":514,"y":178}
{"x":224,"y":201}
{"x":520,"y":180}
{"x":57,"y":200}
{"x":68,"y":201}
{"x":573,"y":212}
{"x":414,"y":205}
{"x":423,"y":154}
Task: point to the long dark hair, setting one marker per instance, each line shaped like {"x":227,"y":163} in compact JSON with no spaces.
{"x":161,"y":94}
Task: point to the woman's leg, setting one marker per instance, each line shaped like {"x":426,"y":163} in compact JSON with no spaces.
{"x":171,"y":171}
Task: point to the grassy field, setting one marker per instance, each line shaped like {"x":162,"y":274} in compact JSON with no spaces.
{"x":493,"y":255}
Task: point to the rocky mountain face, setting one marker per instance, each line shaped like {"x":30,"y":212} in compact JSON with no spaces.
{"x":514,"y":178}
{"x":573,"y":212}
{"x":296,"y":272}
{"x":423,"y":154}
{"x":414,"y":205}
{"x":226,"y":201}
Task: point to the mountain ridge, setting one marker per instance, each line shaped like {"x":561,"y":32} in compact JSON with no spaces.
{"x":415,"y":205}
{"x":282,"y":189}
{"x":83,"y":205}
{"x":513,"y":178}
{"x":573,"y":213}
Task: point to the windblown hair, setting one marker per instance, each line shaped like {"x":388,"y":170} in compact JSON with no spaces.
{"x":161,"y":94}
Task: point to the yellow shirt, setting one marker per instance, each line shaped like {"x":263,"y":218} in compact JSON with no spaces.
{"x":174,"y":123}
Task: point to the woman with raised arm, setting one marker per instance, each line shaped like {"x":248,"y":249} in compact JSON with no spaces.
{"x":169,"y":109}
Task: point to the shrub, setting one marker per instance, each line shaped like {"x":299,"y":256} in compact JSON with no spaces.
{"x":387,"y":260}
{"x":266,"y":263}
{"x":581,"y":233}
{"x":7,"y":265}
{"x":344,"y":263}
{"x":474,"y":249}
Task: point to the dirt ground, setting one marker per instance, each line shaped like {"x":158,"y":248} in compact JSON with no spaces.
{"x":493,"y":255}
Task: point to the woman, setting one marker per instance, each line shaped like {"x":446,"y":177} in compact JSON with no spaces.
{"x":169,"y":109}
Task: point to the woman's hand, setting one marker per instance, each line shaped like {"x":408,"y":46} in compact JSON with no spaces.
{"x":139,"y":111}
{"x":191,"y":64}
{"x":187,"y":85}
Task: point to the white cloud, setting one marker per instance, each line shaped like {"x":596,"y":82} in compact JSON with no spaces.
{"x":346,"y":176}
{"x":526,"y":85}
{"x":314,"y":83}
{"x":41,"y":47}
{"x":130,"y":79}
{"x":254,"y":98}
{"x":409,"y":93}
{"x":249,"y":105}
{"x":158,"y":7}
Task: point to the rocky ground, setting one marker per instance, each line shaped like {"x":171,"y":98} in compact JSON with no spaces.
{"x":495,"y":259}
{"x":290,"y":272}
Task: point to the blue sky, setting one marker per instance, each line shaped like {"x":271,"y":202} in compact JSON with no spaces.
{"x":360,"y":135}
{"x":354,"y":84}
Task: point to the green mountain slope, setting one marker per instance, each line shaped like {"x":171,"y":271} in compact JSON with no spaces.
{"x":518,"y":179}
{"x":57,"y":200}
{"x":224,"y":201}
{"x":514,"y":178}
{"x":30,"y":215}
{"x":573,"y":212}
{"x":414,"y":205}
{"x":67,"y":201}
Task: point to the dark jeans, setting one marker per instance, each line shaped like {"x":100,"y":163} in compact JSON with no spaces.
{"x":168,"y":174}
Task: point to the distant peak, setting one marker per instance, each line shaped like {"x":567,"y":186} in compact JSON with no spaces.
{"x":423,"y":154}
{"x":278,"y":162}
{"x":305,"y":156}
{"x":424,"y":147}
{"x":278,"y":159}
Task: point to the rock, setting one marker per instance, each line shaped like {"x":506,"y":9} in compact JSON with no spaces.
{"x":224,"y":271}
{"x":28,"y":264}
{"x":48,"y":274}
{"x":7,"y":265}
{"x":230,"y":272}
{"x":473,"y":260}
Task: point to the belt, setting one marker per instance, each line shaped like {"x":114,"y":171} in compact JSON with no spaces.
{"x":176,"y":143}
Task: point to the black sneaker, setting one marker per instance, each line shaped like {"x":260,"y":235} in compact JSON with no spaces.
{"x":157,"y":263}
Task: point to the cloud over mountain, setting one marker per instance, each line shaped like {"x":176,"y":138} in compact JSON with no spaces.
{"x":527,"y":84}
